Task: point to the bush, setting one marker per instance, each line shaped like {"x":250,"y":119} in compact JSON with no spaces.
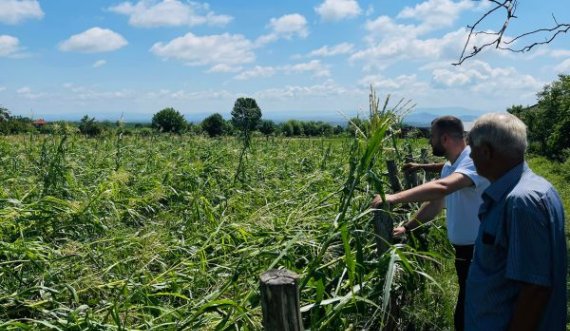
{"x":169,"y":120}
{"x":213,"y":125}
{"x":548,"y":121}
{"x":15,"y":125}
{"x":89,"y":127}
{"x":267,"y":127}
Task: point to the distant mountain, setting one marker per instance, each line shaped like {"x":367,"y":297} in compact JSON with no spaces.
{"x":422,"y":117}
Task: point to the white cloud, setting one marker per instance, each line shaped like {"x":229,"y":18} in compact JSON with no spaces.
{"x":152,"y":13}
{"x":286,"y":26}
{"x":402,"y":84}
{"x":99,"y":63}
{"x":224,"y":68}
{"x":560,"y":53}
{"x":213,"y":50}
{"x":315,"y":67}
{"x":435,"y":14}
{"x":448,"y":78}
{"x":193,"y":95}
{"x":563,"y":67}
{"x":83,"y":93}
{"x":385,"y":27}
{"x":481,"y":77}
{"x":336,"y":10}
{"x":9,"y":46}
{"x":16,"y":11}
{"x":326,"y":89}
{"x":2,"y":88}
{"x":390,"y":41}
{"x":389,"y":50}
{"x":257,"y":71}
{"x":290,"y":25}
{"x":94,"y":40}
{"x":27,"y":93}
{"x":342,"y":48}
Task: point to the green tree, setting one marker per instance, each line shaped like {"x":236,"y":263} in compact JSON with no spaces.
{"x":267,"y":127}
{"x":4,"y":114}
{"x":169,"y":120}
{"x":246,"y":114}
{"x":357,"y":124}
{"x":89,"y":127}
{"x":213,"y":125}
{"x":310,"y":128}
{"x":338,"y":130}
{"x":548,"y":121}
{"x":292,"y":128}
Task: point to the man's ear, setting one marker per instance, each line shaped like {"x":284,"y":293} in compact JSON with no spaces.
{"x":487,"y":151}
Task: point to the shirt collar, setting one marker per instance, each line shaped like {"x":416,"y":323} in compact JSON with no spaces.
{"x":499,"y":188}
{"x":464,"y":153}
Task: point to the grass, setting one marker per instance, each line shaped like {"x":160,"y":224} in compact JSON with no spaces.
{"x":154,"y":233}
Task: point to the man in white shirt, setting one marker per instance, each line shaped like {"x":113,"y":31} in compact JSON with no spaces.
{"x":459,"y":190}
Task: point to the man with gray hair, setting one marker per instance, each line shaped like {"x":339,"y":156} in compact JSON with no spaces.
{"x":517,"y":280}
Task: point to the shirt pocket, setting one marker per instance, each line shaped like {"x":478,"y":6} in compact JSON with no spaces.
{"x":491,"y":251}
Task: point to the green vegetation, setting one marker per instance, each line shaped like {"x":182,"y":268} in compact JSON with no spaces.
{"x":131,"y":229}
{"x":14,"y":124}
{"x":214,"y":125}
{"x":169,"y":120}
{"x":142,"y":232}
{"x":89,"y":127}
{"x":246,"y":115}
{"x":549,"y":120}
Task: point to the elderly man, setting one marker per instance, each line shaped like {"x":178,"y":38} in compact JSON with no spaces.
{"x":517,"y":280}
{"x":459,"y":190}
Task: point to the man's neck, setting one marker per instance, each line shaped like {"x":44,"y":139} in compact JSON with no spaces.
{"x":502,"y":166}
{"x":455,"y":151}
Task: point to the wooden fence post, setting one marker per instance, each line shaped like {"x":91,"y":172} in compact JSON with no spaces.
{"x":411,"y":178}
{"x":280,"y":301}
{"x":383,"y":225}
{"x":393,"y":176}
{"x":424,"y":159}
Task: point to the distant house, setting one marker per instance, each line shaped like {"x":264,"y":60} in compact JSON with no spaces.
{"x":39,"y":122}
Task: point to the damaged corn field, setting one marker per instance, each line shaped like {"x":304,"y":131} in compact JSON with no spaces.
{"x":172,"y":232}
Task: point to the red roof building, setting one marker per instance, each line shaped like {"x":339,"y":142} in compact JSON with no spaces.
{"x":39,"y":122}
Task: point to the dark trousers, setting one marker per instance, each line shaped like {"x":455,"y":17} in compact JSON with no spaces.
{"x":463,"y":256}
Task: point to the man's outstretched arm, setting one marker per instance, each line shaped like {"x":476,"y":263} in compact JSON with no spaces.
{"x":434,"y":190}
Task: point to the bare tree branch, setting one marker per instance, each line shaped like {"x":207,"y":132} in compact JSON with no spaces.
{"x":509,"y":8}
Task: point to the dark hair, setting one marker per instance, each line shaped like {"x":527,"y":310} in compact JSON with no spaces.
{"x":448,"y":124}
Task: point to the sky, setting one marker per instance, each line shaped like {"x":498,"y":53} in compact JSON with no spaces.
{"x":63,"y":59}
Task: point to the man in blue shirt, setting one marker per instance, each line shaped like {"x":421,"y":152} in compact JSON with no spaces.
{"x":517,"y":280}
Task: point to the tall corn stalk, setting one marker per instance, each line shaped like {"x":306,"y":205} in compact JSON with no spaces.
{"x":365,"y":155}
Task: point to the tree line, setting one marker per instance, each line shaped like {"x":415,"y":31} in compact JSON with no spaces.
{"x":548,"y":123}
{"x":246,"y":118}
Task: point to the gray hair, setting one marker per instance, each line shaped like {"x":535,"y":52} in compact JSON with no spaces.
{"x":504,"y":132}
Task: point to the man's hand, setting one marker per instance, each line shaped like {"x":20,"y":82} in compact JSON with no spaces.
{"x":377,"y":201}
{"x":411,"y":167}
{"x":398,"y":231}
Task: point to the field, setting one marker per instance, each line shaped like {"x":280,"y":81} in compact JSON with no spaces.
{"x":172,"y":232}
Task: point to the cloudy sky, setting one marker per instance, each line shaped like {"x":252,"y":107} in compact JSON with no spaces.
{"x":68,"y":58}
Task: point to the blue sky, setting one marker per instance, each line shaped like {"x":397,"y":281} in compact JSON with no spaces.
{"x":69,"y":58}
